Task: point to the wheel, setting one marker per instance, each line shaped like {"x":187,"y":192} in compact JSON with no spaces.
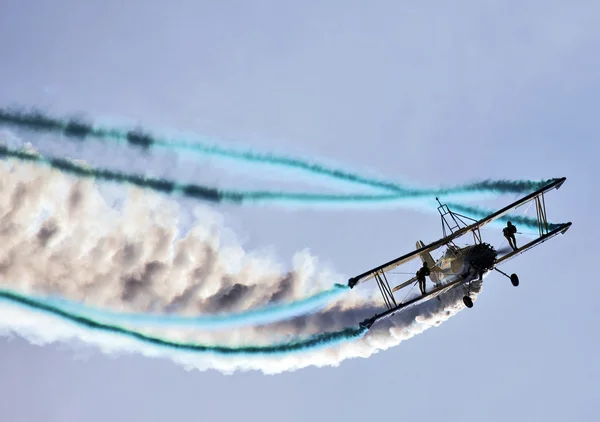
{"x":468,"y":302}
{"x":514,"y":280}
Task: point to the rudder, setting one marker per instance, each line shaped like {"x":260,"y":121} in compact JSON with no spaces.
{"x":425,"y":256}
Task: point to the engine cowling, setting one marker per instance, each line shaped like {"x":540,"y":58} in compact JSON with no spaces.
{"x":482,"y":257}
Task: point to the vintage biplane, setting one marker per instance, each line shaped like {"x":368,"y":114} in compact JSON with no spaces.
{"x":459,"y":266}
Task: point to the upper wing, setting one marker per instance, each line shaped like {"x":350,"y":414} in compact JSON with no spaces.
{"x":556,"y":183}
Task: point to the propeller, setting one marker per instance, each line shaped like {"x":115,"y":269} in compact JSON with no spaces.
{"x":504,"y":250}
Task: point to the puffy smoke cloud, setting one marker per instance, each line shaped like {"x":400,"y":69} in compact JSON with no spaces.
{"x":61,"y":238}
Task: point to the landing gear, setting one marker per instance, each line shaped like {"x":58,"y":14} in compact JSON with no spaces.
{"x":514,"y":279}
{"x":467,"y":297}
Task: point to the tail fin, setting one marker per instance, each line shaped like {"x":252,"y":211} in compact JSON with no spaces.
{"x":426,"y":256}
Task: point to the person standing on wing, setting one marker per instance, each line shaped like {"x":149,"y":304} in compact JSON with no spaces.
{"x":421,"y":274}
{"x":509,"y":232}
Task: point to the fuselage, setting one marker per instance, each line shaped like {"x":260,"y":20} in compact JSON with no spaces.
{"x":469,"y":263}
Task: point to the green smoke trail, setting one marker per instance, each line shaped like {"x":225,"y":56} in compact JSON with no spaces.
{"x":210,"y":194}
{"x":311,"y":343}
{"x":38,"y":121}
{"x":479,"y":213}
{"x":264,"y":315}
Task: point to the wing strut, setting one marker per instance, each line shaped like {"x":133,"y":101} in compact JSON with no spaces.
{"x":540,"y":206}
{"x":386,"y":291}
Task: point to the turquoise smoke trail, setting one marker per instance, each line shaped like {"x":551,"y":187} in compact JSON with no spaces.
{"x":38,"y":121}
{"x":240,"y":197}
{"x":74,"y":128}
{"x":479,"y":213}
{"x":77,"y":129}
{"x":265,"y":315}
{"x":313,"y":342}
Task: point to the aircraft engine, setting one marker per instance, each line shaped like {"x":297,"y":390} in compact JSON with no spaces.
{"x":482,"y":257}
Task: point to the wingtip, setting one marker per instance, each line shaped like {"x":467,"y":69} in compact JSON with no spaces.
{"x":560,"y":180}
{"x":561,"y":228}
{"x":367,"y":323}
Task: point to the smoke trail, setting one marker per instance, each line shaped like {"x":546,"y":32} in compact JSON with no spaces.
{"x":265,"y":315}
{"x":38,"y":121}
{"x":479,"y":213}
{"x":135,"y":260}
{"x":42,"y":329}
{"x":313,"y":342}
{"x":214,"y":195}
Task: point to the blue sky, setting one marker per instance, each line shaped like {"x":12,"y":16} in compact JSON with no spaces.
{"x":443,"y":94}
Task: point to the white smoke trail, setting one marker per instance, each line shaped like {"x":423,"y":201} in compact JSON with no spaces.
{"x":42,"y":329}
{"x":60,"y":238}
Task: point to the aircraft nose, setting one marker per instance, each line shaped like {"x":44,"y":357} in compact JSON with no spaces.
{"x":483,"y":257}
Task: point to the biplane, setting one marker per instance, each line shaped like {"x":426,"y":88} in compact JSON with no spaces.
{"x":459,"y":266}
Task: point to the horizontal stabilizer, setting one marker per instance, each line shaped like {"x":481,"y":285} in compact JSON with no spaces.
{"x":403,"y":285}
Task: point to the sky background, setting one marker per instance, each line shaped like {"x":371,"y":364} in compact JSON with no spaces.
{"x":411,"y":92}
